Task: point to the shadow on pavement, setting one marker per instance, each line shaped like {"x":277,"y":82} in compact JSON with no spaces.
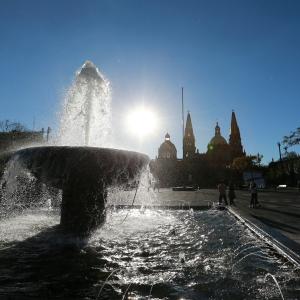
{"x":276,"y":224}
{"x":280,"y":212}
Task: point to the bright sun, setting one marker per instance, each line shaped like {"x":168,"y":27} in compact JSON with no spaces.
{"x":141,"y":121}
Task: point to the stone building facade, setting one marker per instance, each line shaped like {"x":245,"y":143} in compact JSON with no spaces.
{"x":198,"y":168}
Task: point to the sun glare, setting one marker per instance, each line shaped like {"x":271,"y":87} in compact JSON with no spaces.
{"x":141,"y":121}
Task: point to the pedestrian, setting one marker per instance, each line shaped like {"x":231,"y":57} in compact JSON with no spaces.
{"x":149,"y":183}
{"x":156,"y":185}
{"x":222,"y":193}
{"x":253,"y":190}
{"x":231,"y":194}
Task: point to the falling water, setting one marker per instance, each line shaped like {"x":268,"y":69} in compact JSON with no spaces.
{"x":86,"y":113}
{"x":20,"y":190}
{"x":84,"y":120}
{"x":276,"y":282}
{"x":249,"y":254}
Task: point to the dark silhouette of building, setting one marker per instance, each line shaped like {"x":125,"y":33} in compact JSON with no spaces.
{"x":217,"y":140}
{"x":167,"y":149}
{"x":235,"y":139}
{"x":202,"y":169}
{"x":16,"y":139}
{"x":189,"y":148}
{"x":218,"y":150}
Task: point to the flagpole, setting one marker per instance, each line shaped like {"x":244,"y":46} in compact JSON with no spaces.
{"x":182,"y":113}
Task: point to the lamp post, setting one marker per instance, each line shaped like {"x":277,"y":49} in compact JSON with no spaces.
{"x":279,"y":148}
{"x":280,"y":157}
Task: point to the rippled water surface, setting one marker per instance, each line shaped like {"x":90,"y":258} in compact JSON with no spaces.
{"x":141,"y":254}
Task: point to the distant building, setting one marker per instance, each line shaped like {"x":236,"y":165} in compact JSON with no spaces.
{"x":17,"y":139}
{"x":167,"y":149}
{"x":189,"y":148}
{"x":255,"y":176}
{"x":218,"y":150}
{"x":201,"y":167}
{"x":235,"y":141}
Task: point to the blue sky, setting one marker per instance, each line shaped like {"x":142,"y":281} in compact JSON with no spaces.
{"x":241,"y":55}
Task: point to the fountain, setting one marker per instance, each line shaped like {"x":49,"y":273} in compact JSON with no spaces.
{"x":83,"y":173}
{"x":85,"y":117}
{"x":133,"y":253}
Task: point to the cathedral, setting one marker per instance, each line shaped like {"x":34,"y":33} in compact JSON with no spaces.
{"x":216,"y":160}
{"x":218,"y":149}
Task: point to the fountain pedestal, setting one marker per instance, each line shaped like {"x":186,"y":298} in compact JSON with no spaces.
{"x":83,"y":174}
{"x":83,"y":204}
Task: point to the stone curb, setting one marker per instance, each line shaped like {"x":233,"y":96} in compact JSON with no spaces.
{"x":285,"y":246}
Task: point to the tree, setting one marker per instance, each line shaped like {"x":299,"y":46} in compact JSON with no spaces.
{"x":292,"y":139}
{"x":7,"y":126}
{"x":243,"y":163}
{"x":257,"y":159}
{"x":291,"y":155}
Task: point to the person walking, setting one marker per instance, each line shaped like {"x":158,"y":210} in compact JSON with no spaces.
{"x":222,"y":193}
{"x":253,"y":190}
{"x":156,"y":185}
{"x":149,"y":183}
{"x":231,"y":194}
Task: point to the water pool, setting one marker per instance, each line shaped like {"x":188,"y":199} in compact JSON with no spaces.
{"x":141,"y":254}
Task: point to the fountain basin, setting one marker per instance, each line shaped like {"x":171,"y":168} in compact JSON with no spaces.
{"x":141,"y":254}
{"x":83,"y":174}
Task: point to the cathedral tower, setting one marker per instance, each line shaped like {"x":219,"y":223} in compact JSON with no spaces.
{"x":189,"y":148}
{"x":235,"y":138}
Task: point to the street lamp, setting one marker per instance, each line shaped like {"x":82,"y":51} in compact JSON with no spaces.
{"x":279,"y":148}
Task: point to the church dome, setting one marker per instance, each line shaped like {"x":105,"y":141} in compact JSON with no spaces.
{"x":217,"y":139}
{"x":167,"y":149}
